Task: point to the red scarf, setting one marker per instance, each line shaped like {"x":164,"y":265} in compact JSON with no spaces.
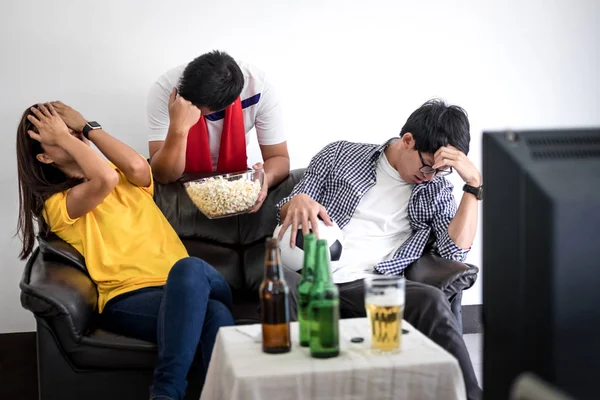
{"x":232,"y":153}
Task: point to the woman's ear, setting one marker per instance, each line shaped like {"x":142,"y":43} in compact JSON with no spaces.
{"x":43,"y":158}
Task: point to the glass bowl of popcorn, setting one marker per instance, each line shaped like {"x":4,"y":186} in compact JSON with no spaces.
{"x":226,"y":195}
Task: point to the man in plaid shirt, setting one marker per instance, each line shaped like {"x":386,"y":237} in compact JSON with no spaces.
{"x":388,"y":199}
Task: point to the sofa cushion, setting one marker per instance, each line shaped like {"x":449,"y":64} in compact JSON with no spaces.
{"x":246,"y":311}
{"x":225,"y":259}
{"x":103,"y":349}
{"x":254,"y":265}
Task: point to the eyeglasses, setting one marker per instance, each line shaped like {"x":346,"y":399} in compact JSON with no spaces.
{"x":428,"y":169}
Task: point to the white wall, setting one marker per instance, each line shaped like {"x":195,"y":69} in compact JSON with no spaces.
{"x":344,"y":69}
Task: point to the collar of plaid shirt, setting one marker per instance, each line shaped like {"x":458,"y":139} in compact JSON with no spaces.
{"x":340,"y":175}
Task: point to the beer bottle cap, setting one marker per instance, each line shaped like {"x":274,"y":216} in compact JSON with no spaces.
{"x":357,"y":340}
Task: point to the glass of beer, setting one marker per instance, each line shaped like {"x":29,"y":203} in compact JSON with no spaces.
{"x":384,"y":301}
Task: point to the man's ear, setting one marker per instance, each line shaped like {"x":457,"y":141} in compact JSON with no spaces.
{"x":408,"y":140}
{"x":43,"y":158}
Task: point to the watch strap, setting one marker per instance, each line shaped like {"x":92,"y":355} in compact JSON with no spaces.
{"x":90,"y":126}
{"x":476,"y":191}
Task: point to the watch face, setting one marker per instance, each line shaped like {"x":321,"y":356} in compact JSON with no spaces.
{"x":94,"y":125}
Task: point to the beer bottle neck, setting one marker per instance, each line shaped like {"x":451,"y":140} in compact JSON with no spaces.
{"x":310,"y":256}
{"x":272,"y":271}
{"x":272,"y":263}
{"x":323,"y":273}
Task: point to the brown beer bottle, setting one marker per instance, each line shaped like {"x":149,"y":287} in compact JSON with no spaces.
{"x":274,"y":303}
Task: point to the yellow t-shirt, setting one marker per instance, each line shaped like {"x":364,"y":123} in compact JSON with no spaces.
{"x":126,"y":241}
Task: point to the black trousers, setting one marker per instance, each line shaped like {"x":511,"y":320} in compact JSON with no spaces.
{"x":428,"y":310}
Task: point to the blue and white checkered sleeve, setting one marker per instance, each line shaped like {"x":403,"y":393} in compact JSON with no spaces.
{"x":315,"y":175}
{"x":445,"y":210}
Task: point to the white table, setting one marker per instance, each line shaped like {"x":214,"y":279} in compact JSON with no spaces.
{"x":239,"y":370}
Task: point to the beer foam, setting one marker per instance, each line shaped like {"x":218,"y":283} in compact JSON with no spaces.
{"x":390,"y":297}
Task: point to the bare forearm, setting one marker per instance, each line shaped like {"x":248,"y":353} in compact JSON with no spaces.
{"x":276,"y":169}
{"x":124,"y":157}
{"x":93,"y":165}
{"x":168,"y":162}
{"x":463,"y":226}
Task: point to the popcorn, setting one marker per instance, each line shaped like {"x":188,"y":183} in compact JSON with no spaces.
{"x":218,"y":197}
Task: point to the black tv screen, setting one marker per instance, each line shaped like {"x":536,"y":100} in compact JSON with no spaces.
{"x":541,"y":260}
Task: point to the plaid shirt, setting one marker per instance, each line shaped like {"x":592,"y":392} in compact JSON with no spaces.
{"x":342,"y":173}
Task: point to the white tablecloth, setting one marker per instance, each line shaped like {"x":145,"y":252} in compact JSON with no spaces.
{"x":239,"y":370}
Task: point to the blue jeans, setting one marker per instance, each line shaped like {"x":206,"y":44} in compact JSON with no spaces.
{"x":182,"y":317}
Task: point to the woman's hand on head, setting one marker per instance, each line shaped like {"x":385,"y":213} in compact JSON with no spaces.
{"x":72,"y":117}
{"x":50,"y":126}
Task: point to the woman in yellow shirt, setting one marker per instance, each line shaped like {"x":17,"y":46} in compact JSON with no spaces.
{"x":148,"y":286}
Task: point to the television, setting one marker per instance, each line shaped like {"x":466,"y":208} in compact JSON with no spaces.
{"x":541,"y":260}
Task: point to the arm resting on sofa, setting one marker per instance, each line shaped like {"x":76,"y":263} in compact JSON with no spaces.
{"x":449,"y":276}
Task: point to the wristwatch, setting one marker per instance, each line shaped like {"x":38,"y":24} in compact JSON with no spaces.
{"x":90,"y":126}
{"x":476,"y":191}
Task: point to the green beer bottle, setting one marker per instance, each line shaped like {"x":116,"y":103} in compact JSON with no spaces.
{"x":324,"y":309}
{"x":304,"y":286}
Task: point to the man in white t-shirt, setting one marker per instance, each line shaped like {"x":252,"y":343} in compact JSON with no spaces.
{"x":388,"y":200}
{"x":200,"y":116}
{"x":378,"y":227}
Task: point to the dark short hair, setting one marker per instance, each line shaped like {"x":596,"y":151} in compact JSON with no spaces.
{"x":213,"y":80}
{"x":436,"y":124}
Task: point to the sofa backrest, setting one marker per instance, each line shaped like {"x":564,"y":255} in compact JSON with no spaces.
{"x":233,"y":245}
{"x":190,"y":223}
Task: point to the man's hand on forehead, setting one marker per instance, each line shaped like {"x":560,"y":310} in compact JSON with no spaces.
{"x":450,"y":156}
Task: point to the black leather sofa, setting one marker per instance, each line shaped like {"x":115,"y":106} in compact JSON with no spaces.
{"x":77,"y":359}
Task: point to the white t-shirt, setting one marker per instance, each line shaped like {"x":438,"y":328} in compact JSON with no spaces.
{"x":378,"y":228}
{"x":260,"y":108}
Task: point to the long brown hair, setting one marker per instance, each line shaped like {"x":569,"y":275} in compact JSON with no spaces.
{"x":37,"y":182}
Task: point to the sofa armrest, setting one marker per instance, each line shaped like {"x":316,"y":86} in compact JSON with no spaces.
{"x":55,"y":289}
{"x":449,"y":276}
{"x":52,"y":245}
